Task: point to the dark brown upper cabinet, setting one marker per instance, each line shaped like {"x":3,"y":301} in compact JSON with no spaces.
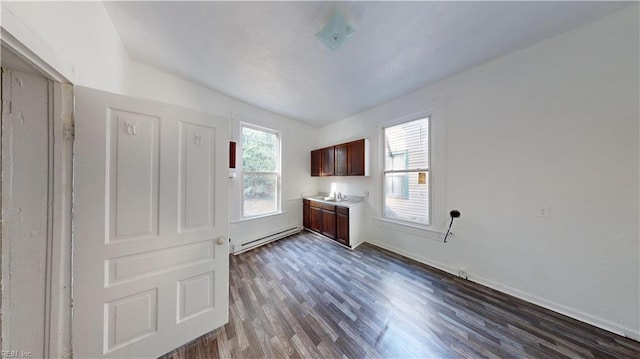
{"x":357,"y":158}
{"x":316,"y":162}
{"x":328,"y":158}
{"x":342,"y":159}
{"x":345,"y":159}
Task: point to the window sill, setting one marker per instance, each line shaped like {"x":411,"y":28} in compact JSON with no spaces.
{"x":264,"y":216}
{"x":415,"y":229}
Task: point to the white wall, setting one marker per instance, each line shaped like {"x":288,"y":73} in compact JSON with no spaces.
{"x":555,"y":124}
{"x":79,"y":39}
{"x":75,"y":37}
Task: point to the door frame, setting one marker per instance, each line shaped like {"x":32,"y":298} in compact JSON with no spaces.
{"x":57,"y":291}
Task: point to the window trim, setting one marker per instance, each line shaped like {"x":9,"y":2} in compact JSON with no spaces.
{"x":278,"y":171}
{"x":437,"y":164}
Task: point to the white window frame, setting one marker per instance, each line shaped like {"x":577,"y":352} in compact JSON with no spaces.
{"x":437,"y":175}
{"x":278,"y":171}
{"x":407,"y":171}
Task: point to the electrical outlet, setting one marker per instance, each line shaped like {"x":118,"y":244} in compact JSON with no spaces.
{"x":543,"y":212}
{"x":462,"y":273}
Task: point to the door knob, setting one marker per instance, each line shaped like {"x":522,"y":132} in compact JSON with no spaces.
{"x":220,"y":241}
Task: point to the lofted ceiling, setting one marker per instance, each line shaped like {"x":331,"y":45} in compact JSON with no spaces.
{"x":267,"y":53}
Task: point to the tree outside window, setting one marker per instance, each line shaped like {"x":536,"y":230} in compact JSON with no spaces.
{"x":260,"y":171}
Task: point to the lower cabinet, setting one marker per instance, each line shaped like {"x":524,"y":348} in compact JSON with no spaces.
{"x":306,"y":213}
{"x":315,"y":218}
{"x":329,"y":223}
{"x":341,"y":224}
{"x":322,"y":218}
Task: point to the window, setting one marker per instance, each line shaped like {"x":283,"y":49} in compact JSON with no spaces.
{"x":397,"y":183}
{"x":260,"y":171}
{"x":406,"y":172}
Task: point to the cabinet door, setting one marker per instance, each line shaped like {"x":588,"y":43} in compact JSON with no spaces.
{"x":342,"y":228}
{"x":356,"y":158}
{"x":329,"y":224}
{"x":327,"y":161}
{"x":316,"y":165}
{"x":306,"y":214}
{"x":315,"y":219}
{"x":341,"y":154}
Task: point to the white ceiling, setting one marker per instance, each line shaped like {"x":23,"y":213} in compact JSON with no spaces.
{"x":267,"y":54}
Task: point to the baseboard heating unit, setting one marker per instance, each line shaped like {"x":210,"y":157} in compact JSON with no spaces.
{"x":266,"y":239}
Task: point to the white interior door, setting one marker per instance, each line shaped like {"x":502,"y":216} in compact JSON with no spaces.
{"x":150,"y":262}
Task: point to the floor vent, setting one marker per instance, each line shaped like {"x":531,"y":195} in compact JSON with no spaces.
{"x":266,"y":239}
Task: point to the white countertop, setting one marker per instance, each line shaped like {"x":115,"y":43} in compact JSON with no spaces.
{"x":351,"y":201}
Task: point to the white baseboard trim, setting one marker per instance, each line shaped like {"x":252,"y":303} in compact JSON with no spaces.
{"x":534,"y":299}
{"x":427,"y":261}
{"x":274,"y":236}
{"x":562,"y":309}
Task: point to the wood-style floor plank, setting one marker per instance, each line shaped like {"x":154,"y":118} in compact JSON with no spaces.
{"x":307,"y":297}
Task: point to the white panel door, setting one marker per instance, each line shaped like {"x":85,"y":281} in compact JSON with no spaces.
{"x":150,"y":261}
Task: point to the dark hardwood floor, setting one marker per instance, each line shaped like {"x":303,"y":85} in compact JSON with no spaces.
{"x":307,"y":297}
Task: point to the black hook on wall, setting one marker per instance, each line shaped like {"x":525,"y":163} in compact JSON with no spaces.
{"x":454,"y":214}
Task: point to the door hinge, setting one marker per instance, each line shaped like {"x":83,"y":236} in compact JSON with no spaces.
{"x":69,"y":132}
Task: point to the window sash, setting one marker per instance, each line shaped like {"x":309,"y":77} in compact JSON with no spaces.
{"x":264,"y":203}
{"x":278,"y":144}
{"x":413,"y":204}
{"x":410,"y":139}
{"x":402,"y":181}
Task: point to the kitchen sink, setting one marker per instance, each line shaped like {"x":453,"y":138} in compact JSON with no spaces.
{"x":333,"y":199}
